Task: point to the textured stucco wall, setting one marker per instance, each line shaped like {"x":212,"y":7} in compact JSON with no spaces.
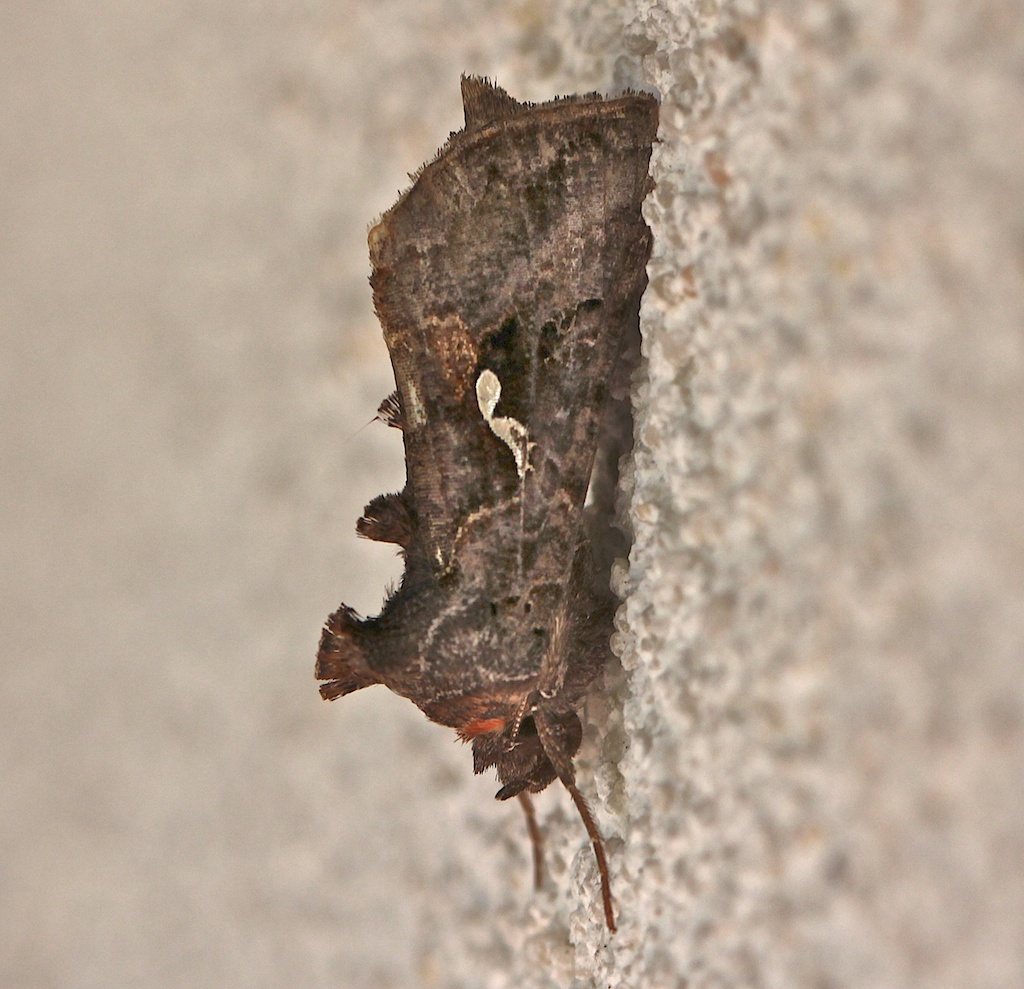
{"x":808,"y":760}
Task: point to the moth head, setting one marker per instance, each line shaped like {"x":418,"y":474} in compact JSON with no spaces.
{"x":528,"y":753}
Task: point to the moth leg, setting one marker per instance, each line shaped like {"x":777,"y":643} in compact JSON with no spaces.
{"x":560,"y":739}
{"x":602,"y":862}
{"x":536,"y":839}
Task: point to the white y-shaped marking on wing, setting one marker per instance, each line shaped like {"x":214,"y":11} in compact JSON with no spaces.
{"x":511,"y":432}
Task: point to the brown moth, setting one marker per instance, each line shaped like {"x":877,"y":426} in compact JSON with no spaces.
{"x":505,"y":280}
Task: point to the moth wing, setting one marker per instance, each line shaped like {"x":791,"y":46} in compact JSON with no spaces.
{"x":504,"y":280}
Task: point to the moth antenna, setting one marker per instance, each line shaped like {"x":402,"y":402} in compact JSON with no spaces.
{"x":386,"y":519}
{"x":340,"y":658}
{"x":536,"y":839}
{"x":598,"y":843}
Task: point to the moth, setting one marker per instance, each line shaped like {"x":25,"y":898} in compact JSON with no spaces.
{"x":505,"y":280}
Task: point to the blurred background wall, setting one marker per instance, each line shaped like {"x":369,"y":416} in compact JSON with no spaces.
{"x":808,"y":761}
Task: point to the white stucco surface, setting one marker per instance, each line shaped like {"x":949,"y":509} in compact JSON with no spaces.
{"x":808,"y":759}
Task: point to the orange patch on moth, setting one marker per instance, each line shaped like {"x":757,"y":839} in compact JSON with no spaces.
{"x":480,"y":726}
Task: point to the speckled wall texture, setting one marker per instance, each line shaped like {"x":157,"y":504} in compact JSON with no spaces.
{"x":809,"y":756}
